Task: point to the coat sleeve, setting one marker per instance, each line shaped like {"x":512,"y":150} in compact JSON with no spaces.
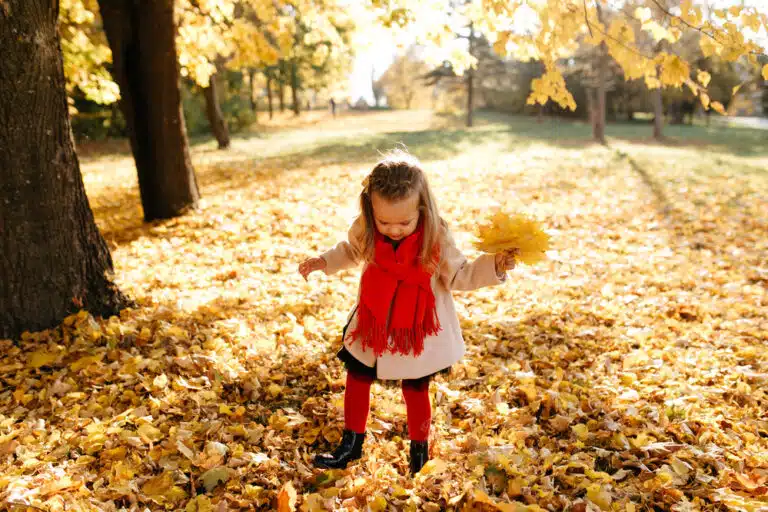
{"x":345,"y":254}
{"x":457,"y":273}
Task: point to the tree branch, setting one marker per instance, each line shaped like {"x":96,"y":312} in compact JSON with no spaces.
{"x":586,"y":18}
{"x":620,"y":42}
{"x":698,"y":29}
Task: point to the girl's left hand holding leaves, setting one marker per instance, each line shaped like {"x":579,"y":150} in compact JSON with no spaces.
{"x":506,"y":260}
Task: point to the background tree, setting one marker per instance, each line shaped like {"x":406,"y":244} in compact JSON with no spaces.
{"x":404,"y":82}
{"x":203,"y":45}
{"x":142,"y":38}
{"x":54,"y":261}
{"x":554,"y":29}
{"x":86,"y":53}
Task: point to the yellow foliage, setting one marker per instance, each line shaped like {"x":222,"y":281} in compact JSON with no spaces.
{"x":718,"y":107}
{"x":674,"y":71}
{"x":703,"y":78}
{"x":504,"y":232}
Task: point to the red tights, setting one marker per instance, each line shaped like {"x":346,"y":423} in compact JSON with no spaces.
{"x":357,"y":404}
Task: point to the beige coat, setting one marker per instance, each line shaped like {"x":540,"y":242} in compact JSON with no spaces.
{"x":454,"y":273}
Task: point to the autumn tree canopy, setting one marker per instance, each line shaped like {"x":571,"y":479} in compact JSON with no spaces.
{"x":550,"y":31}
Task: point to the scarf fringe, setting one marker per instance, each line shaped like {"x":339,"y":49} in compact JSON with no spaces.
{"x":406,"y":341}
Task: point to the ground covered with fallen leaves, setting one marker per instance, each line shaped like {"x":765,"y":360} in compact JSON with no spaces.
{"x":627,"y":372}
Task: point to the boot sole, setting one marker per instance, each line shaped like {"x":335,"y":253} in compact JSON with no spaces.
{"x":322,"y":465}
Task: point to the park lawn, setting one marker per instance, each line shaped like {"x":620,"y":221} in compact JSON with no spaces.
{"x":627,"y":372}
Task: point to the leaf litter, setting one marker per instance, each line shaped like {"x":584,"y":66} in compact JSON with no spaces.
{"x":627,"y":371}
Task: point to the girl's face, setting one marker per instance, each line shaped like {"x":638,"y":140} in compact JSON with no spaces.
{"x":396,"y":219}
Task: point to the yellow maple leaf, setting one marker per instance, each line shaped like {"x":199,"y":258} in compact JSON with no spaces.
{"x":200,"y":503}
{"x":162,"y":489}
{"x":377,"y":504}
{"x":709,"y":47}
{"x":718,"y":108}
{"x":504,"y":232}
{"x":703,"y":77}
{"x":85,"y":362}
{"x":674,"y":71}
{"x":41,"y":358}
{"x":581,"y":431}
{"x":704,"y":97}
{"x":599,"y":497}
{"x":643,"y":13}
{"x":765,"y":72}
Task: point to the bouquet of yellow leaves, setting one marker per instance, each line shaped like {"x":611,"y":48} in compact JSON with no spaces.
{"x":513,"y":233}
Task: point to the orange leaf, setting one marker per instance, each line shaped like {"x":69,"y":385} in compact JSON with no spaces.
{"x":286,"y":499}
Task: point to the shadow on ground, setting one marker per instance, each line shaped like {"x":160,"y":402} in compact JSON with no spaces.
{"x":444,"y":139}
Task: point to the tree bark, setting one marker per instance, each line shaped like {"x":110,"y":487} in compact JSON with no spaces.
{"x":252,"y":91}
{"x":141,"y":34}
{"x":597,"y":105}
{"x":281,"y":87}
{"x":658,"y":114}
{"x":269,"y":96}
{"x":53,"y":260}
{"x":295,"y":88}
{"x":213,"y":112}
{"x":471,"y":80}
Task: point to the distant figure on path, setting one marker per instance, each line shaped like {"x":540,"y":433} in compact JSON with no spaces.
{"x":333,"y":107}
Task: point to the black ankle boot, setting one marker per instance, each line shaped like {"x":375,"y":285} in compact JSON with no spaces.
{"x":351,"y":448}
{"x":419,"y":455}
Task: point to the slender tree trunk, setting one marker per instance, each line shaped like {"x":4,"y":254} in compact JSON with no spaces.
{"x":374,"y":88}
{"x":471,"y":80}
{"x":269,"y":96}
{"x":597,"y":103}
{"x":598,"y":119}
{"x":53,"y":260}
{"x":252,"y":90}
{"x":295,"y":88}
{"x":658,"y":114}
{"x":213,"y":112}
{"x":141,"y":34}
{"x":281,"y":86}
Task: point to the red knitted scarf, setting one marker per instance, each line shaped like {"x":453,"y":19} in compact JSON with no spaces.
{"x":397,"y":305}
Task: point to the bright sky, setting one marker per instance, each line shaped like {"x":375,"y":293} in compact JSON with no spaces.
{"x":378,"y":55}
{"x":375,"y":60}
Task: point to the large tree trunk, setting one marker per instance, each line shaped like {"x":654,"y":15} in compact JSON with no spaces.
{"x":53,"y":261}
{"x":142,"y":34}
{"x":269,"y":96}
{"x":471,"y":80}
{"x":295,"y":88}
{"x":213,"y":112}
{"x":658,"y":114}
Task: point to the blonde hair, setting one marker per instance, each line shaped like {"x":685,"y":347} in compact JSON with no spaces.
{"x":395,"y":177}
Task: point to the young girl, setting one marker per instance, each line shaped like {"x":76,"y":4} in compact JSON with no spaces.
{"x":404,"y":326}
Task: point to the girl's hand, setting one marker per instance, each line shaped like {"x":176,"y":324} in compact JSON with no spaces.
{"x":310,"y":265}
{"x":506,"y":261}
